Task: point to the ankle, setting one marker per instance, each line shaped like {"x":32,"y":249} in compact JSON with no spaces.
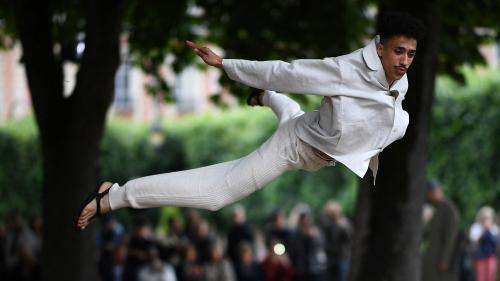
{"x":105,"y":206}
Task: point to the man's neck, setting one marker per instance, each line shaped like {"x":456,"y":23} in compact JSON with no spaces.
{"x":390,"y":82}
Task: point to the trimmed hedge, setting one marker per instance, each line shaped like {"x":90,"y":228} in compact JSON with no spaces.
{"x":464,"y":149}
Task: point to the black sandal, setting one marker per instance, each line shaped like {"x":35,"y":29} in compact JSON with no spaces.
{"x":95,"y":195}
{"x":255,"y":94}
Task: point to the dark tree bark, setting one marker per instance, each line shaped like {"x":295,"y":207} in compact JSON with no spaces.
{"x":388,"y":220}
{"x":70,"y":128}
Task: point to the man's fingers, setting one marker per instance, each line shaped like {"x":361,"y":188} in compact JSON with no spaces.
{"x":196,"y":47}
{"x":192,"y":45}
{"x":203,"y":50}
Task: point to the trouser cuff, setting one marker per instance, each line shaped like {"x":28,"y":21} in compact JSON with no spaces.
{"x":117,"y":197}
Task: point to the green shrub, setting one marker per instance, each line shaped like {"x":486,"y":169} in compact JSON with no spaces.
{"x":464,"y":149}
{"x":20,"y":167}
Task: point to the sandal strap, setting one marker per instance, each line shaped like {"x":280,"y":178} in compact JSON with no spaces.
{"x":98,"y":198}
{"x":98,"y":204}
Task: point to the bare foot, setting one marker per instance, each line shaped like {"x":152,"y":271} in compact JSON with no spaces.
{"x":91,"y":208}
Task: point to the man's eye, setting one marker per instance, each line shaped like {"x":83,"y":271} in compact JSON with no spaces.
{"x":398,"y":51}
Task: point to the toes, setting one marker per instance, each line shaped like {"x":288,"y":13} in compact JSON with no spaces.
{"x":82,"y":219}
{"x":86,"y":217}
{"x":83,"y":216}
{"x":88,"y":211}
{"x":82,"y":223}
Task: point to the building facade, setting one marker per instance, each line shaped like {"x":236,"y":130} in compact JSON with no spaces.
{"x":191,"y":89}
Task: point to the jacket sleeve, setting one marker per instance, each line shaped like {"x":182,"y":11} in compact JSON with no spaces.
{"x":304,"y":76}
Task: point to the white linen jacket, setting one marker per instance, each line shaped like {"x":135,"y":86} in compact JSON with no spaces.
{"x":359,"y":115}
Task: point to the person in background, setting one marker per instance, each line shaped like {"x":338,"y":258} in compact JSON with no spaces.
{"x":113,"y":229}
{"x":440,"y":262}
{"x":239,"y":232}
{"x":203,"y":240}
{"x":155,"y":269}
{"x":106,"y":256}
{"x":484,"y":235}
{"x":193,"y":220}
{"x":36,"y":230}
{"x":338,"y":232}
{"x":218,"y":268}
{"x":190,"y":269}
{"x":278,"y":228}
{"x":259,"y":245}
{"x":119,"y":258}
{"x":247,"y":269}
{"x":309,"y":256}
{"x":140,"y":242}
{"x":171,"y":243}
{"x":111,"y":236}
{"x":22,"y":249}
{"x":277,"y":266}
{"x":464,"y":251}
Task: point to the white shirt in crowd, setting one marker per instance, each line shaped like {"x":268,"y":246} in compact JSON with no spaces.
{"x":477,"y":230}
{"x":164,"y":273}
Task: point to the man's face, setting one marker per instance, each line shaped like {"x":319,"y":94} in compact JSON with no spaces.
{"x":396,"y":55}
{"x":435,"y":196}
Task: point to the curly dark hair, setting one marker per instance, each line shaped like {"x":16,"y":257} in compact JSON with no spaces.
{"x":399,"y":23}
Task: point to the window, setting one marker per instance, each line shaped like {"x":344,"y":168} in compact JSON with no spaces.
{"x":122,"y":100}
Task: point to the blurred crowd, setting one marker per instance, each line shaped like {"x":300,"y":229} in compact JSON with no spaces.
{"x":290,"y":246}
{"x":297,"y":246}
{"x":294,"y":247}
{"x":451,"y":254}
{"x":20,"y":247}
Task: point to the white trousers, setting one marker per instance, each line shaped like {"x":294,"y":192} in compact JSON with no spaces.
{"x":215,"y":186}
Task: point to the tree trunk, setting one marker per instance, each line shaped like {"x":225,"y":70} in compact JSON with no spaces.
{"x":388,"y":219}
{"x":70,"y":128}
{"x":70,"y":171}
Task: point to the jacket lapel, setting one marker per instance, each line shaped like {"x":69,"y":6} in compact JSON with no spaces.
{"x":374,"y":64}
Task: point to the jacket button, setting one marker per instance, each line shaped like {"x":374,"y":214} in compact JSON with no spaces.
{"x":394,"y":93}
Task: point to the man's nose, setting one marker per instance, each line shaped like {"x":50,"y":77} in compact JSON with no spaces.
{"x":405,"y":60}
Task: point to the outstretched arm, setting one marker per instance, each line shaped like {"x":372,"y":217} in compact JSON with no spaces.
{"x":305,"y":76}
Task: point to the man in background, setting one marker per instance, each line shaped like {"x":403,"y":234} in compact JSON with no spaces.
{"x":440,"y":262}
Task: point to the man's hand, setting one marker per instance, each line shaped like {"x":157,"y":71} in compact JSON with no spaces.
{"x":206,"y":54}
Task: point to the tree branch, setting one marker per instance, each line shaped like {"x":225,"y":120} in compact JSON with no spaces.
{"x":95,"y":79}
{"x":44,"y":72}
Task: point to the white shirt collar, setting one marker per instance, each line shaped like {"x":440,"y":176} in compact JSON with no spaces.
{"x":373,"y":62}
{"x":370,"y":54}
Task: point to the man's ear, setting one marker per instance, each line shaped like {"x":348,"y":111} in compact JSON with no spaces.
{"x":380,"y":47}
